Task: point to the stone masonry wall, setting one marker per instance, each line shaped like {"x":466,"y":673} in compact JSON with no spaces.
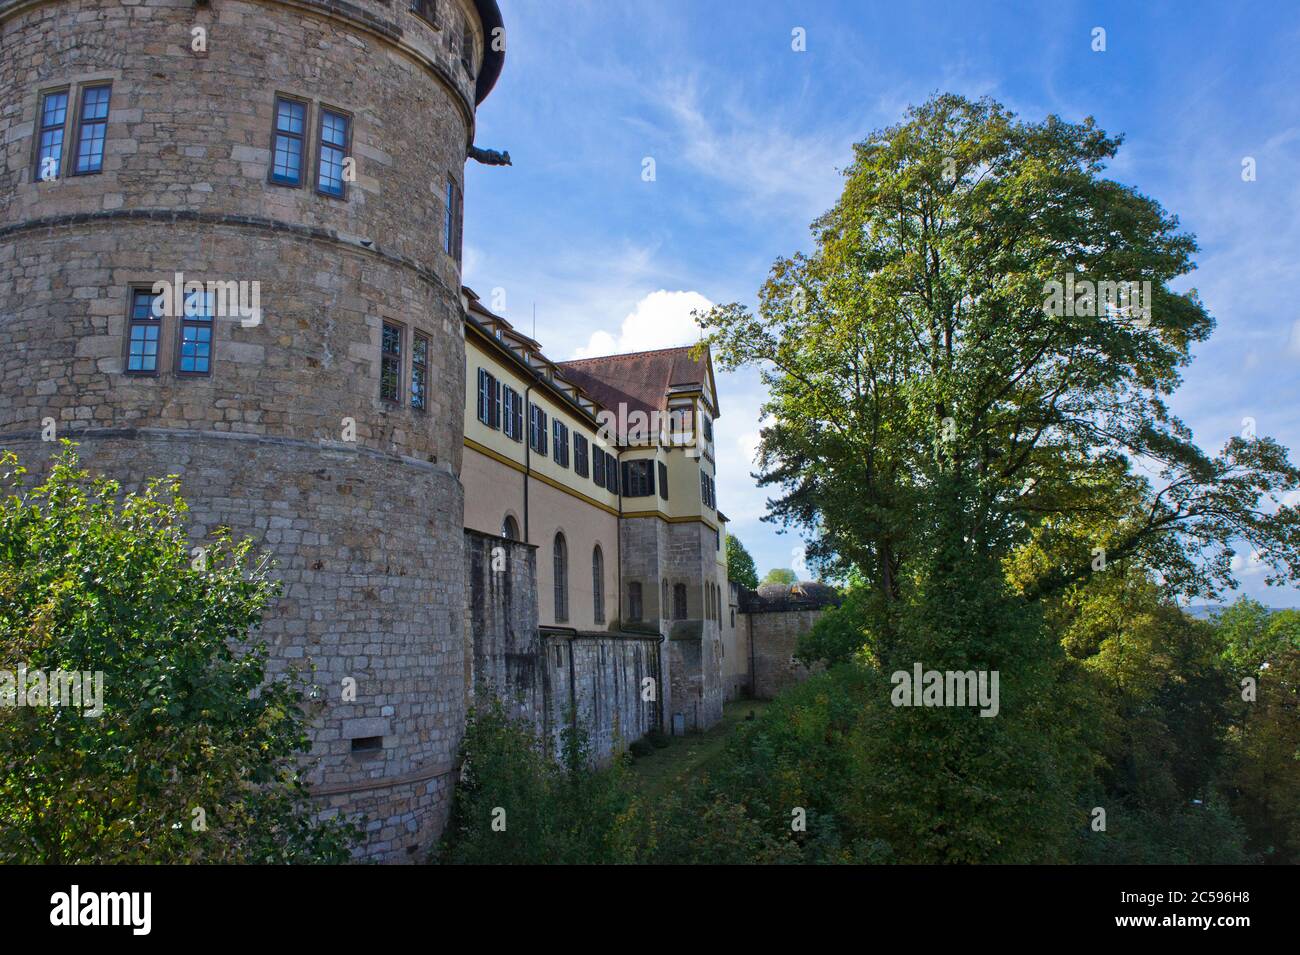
{"x":549,"y":678}
{"x":502,"y":643}
{"x":775,"y":637}
{"x":363,"y":599}
{"x":287,"y":441}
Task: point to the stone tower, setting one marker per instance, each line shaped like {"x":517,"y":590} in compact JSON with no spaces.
{"x":307,"y":157}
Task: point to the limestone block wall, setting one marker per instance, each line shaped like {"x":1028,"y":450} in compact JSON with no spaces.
{"x":695,"y":644}
{"x":774,"y":637}
{"x":502,"y":643}
{"x":596,"y":679}
{"x":736,"y":682}
{"x":550,"y":678}
{"x":356,"y":500}
{"x":363,"y":600}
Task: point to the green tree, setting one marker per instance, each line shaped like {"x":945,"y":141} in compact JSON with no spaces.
{"x":780,"y":575}
{"x":194,"y":757}
{"x":1267,"y":774}
{"x":740,"y":565}
{"x":517,"y":804}
{"x":1253,"y":635}
{"x":943,"y":427}
{"x":922,"y":392}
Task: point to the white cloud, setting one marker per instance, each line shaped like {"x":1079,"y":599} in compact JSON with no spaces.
{"x":661,"y":319}
{"x":1250,"y":565}
{"x":761,"y":157}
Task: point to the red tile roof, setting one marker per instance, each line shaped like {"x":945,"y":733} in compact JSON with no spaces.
{"x":641,"y":380}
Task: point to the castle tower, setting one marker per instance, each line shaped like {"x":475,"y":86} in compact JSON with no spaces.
{"x":304,"y":158}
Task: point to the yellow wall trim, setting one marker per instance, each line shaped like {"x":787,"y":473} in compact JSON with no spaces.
{"x":536,"y":476}
{"x":670,"y":520}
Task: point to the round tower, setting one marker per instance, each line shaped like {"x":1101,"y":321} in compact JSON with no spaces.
{"x":230,"y":250}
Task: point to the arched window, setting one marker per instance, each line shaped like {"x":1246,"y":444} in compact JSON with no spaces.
{"x":510,"y":528}
{"x":663,"y":601}
{"x":560,"y":560}
{"x":679,"y":601}
{"x":598,"y":584}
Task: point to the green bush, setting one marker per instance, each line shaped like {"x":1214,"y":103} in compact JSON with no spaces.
{"x":516,"y":804}
{"x":194,"y":757}
{"x":641,"y":748}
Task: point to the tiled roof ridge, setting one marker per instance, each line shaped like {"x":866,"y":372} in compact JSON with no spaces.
{"x":623,"y":355}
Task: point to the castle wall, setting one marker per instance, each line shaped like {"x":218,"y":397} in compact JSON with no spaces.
{"x":550,"y":678}
{"x":775,"y":637}
{"x":356,"y":500}
{"x":736,"y":682}
{"x":596,"y":679}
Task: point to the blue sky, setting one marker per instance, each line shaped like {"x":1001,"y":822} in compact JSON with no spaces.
{"x":748,"y":137}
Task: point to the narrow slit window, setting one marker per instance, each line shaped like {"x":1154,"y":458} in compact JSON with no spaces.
{"x":560,"y":440}
{"x":290,"y":124}
{"x":512,"y":414}
{"x":560,"y":556}
{"x":390,"y":371}
{"x":91,"y":129}
{"x":426,"y":10}
{"x":611,"y":474}
{"x":467,"y":51}
{"x":333,"y":152}
{"x":580,"y":466}
{"x":54,"y":119}
{"x":489,"y":399}
{"x":145,"y":328}
{"x":452,"y":226}
{"x":420,"y":372}
{"x":537,"y":438}
{"x":598,"y":584}
{"x":195,"y":342}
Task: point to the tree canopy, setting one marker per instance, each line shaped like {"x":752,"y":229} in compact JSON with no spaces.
{"x":740,"y":564}
{"x":922,"y":388}
{"x":189,"y":754}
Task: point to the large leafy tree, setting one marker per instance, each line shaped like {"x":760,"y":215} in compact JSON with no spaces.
{"x":924,"y":398}
{"x":193,"y":756}
{"x":976,"y":456}
{"x":740,"y":564}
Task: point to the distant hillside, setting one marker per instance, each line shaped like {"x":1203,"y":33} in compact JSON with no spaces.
{"x":1206,"y":611}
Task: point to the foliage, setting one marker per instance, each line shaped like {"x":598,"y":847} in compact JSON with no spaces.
{"x":740,"y":564}
{"x":94,"y":581}
{"x":780,"y":575}
{"x":516,"y":804}
{"x":1266,"y":771}
{"x":840,"y":633}
{"x":1252,"y":635}
{"x":1009,"y":484}
{"x":910,"y":356}
{"x":1196,"y":834}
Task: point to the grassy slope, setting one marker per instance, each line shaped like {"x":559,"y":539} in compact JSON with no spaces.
{"x":686,"y":757}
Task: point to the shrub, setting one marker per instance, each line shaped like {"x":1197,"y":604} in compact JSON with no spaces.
{"x":194,"y":756}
